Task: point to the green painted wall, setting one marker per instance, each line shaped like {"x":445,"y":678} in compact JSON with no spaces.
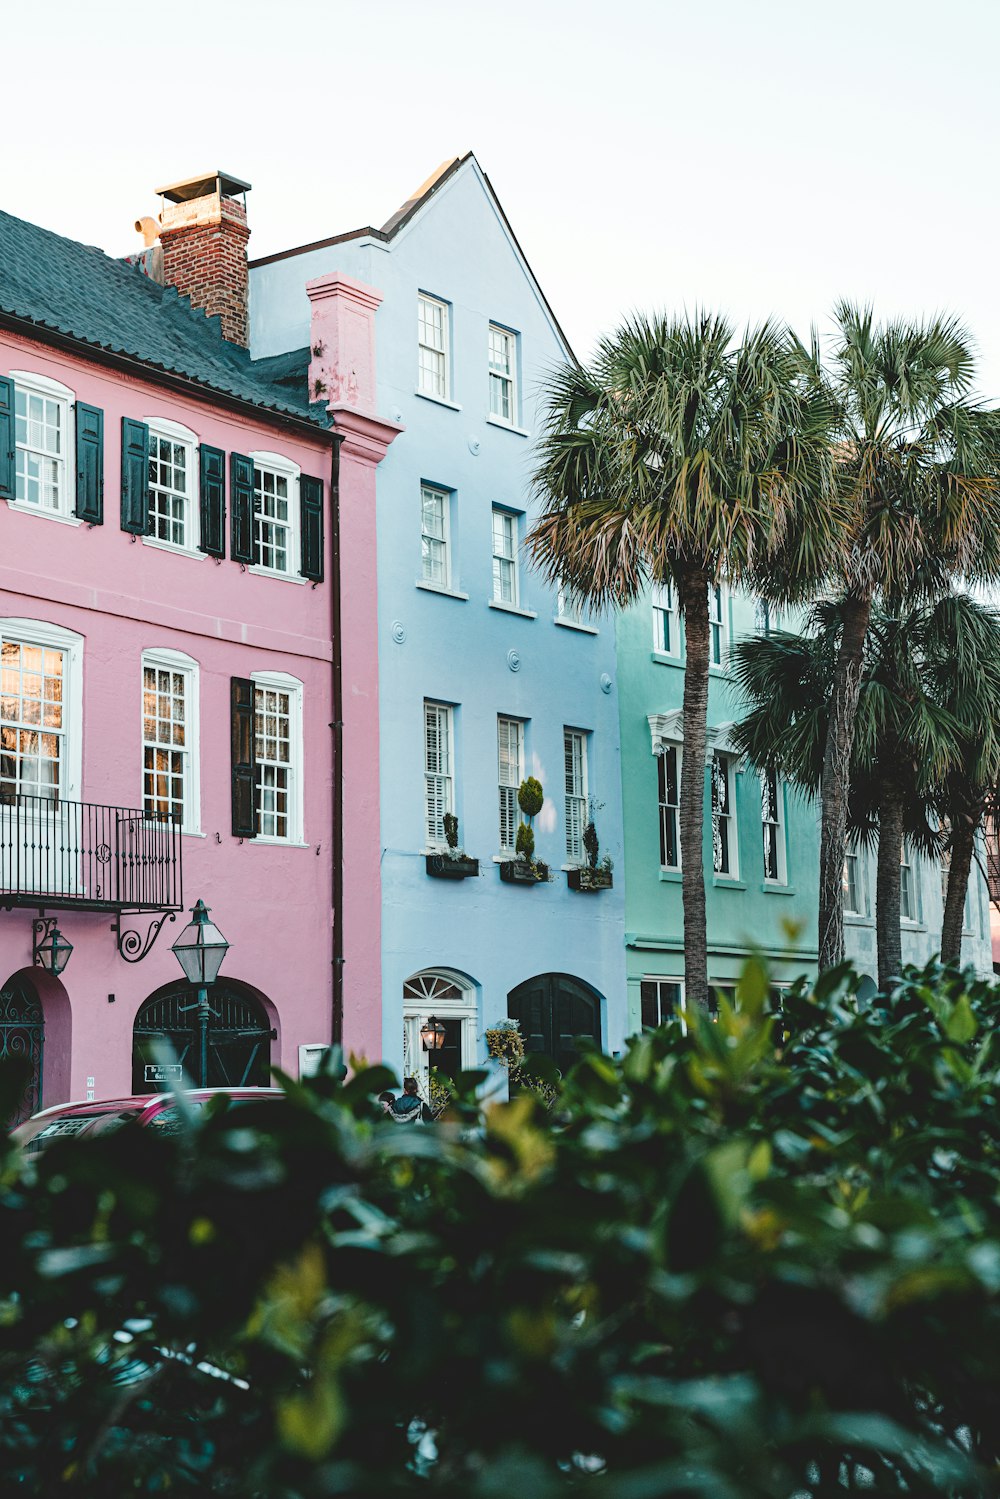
{"x":745,"y":912}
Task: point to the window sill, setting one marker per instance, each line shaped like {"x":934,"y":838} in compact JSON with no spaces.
{"x":269,"y":572}
{"x":425,"y":395}
{"x":775,"y":887}
{"x":854,"y":918}
{"x":448,"y":593}
{"x":574,"y":624}
{"x":496,"y":421}
{"x":671,"y":876}
{"x":512,"y":609}
{"x":907,"y":925}
{"x":503,"y":858}
{"x":192,"y":833}
{"x":267,"y":842}
{"x":662,"y":659}
{"x":56,"y":515}
{"x":171,"y":546}
{"x":727,"y":882}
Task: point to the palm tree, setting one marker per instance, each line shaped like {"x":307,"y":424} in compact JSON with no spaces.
{"x":917,"y":472}
{"x":678,"y":456}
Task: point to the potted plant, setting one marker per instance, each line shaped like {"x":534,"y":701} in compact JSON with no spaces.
{"x":454,"y":863}
{"x":592,"y":876}
{"x":524,"y":868}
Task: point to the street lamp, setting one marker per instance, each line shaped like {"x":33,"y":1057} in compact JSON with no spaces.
{"x":432,"y":1034}
{"x":199,"y":950}
{"x":54,"y":952}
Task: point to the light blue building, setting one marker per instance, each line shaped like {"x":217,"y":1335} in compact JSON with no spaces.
{"x":487,"y":675}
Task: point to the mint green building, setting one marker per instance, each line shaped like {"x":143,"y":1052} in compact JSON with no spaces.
{"x":761,"y":836}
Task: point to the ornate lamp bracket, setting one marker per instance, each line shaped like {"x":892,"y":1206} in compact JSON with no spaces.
{"x":132,"y":946}
{"x":41,"y":928}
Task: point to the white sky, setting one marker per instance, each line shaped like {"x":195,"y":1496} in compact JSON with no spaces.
{"x":755,"y":156}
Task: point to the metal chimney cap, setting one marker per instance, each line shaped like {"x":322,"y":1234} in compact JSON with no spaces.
{"x":200,"y":187}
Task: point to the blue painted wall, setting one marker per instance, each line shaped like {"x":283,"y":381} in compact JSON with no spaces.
{"x":460,"y":650}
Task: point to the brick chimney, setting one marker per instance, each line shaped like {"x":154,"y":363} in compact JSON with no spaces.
{"x":203,"y":232}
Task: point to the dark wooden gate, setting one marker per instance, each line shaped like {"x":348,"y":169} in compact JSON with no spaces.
{"x":552,"y":1010}
{"x":239,"y":1038}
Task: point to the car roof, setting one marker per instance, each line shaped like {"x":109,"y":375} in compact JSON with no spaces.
{"x":140,"y":1101}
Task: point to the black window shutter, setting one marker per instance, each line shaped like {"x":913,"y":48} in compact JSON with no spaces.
{"x":241,"y":501}
{"x":244,"y":762}
{"x":135,"y":477}
{"x":90,"y":463}
{"x":311,"y":502}
{"x":6,"y":439}
{"x":213,"y":501}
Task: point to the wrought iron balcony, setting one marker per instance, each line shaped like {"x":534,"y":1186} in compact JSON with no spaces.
{"x":62,"y":855}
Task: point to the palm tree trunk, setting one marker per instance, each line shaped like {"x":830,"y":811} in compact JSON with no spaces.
{"x":887,"y":887}
{"x":692,"y":595}
{"x":963,"y":841}
{"x":837,"y":777}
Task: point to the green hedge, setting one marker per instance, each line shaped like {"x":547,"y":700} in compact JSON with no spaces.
{"x":758,"y":1259}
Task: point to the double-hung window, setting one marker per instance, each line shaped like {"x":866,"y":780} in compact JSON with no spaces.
{"x":575,"y":761}
{"x":432,"y":347}
{"x":661,"y":1000}
{"x":510,"y":773}
{"x":724,"y":850}
{"x":170,"y":738}
{"x":773,"y":826}
{"x":43,"y":443}
{"x":278,"y":756}
{"x":769,"y":617}
{"x":503,"y":375}
{"x":275,"y":514}
{"x":907,"y":889}
{"x":32,"y":720}
{"x":570,"y":606}
{"x":435,"y":561}
{"x":172,"y":484}
{"x":718,"y":632}
{"x":666,"y":622}
{"x":668,"y":767}
{"x":505,"y":580}
{"x":438,"y":775}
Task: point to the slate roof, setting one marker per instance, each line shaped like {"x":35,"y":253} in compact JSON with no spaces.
{"x":75,"y":290}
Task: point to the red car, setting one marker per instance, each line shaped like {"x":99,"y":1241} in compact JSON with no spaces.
{"x":156,"y":1110}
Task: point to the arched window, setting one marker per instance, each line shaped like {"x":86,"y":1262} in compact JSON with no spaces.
{"x":450,"y":999}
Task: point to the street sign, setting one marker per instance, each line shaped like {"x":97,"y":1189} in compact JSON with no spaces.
{"x":163,"y":1072}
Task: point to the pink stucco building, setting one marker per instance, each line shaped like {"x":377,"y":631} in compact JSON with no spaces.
{"x":188,"y":675}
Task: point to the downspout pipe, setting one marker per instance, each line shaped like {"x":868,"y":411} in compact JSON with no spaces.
{"x":337,"y":726}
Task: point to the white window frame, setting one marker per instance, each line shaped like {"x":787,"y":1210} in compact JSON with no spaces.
{"x":53,"y":390}
{"x":859,"y":882}
{"x":666,"y":621}
{"x":908,"y":882}
{"x":729,"y":763}
{"x":507,"y":790}
{"x":279,"y":465}
{"x":444,"y":495}
{"x":778,"y":824}
{"x":658,"y":979}
{"x":444,"y":778}
{"x":667,"y":807}
{"x":576,"y":793}
{"x":41,"y":633}
{"x":281,"y":681}
{"x":718,"y":626}
{"x":164,"y":659}
{"x":174,"y":432}
{"x":501,"y":558}
{"x":444,"y":354}
{"x":506,"y":382}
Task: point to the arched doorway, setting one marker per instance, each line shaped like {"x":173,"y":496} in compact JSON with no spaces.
{"x":239,"y":1038}
{"x":451,"y":999}
{"x":553,"y":1009}
{"x":22,"y":1035}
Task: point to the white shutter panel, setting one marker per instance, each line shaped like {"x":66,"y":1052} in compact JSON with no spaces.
{"x":437,"y":767}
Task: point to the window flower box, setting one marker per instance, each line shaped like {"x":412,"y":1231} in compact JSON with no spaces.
{"x":523,"y":871}
{"x":589,"y":880}
{"x":451,"y":866}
